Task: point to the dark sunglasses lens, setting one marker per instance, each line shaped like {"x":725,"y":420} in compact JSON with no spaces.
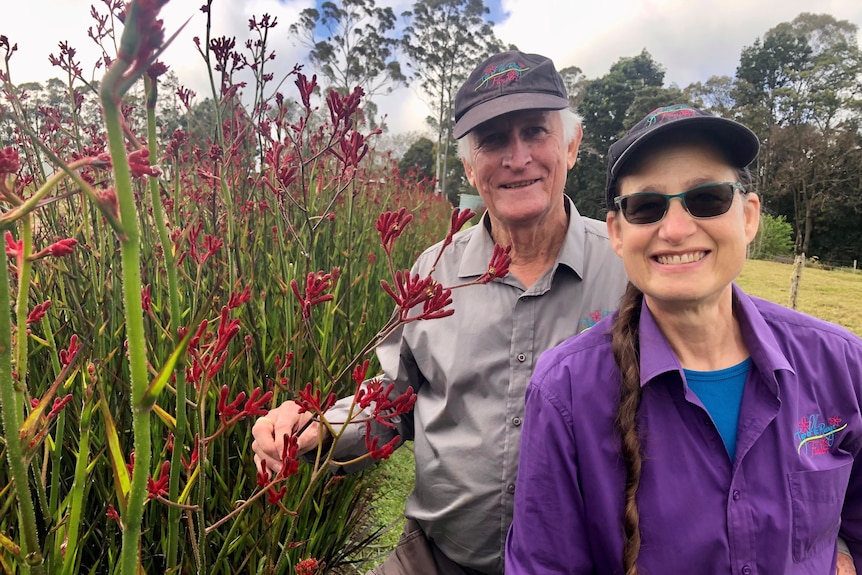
{"x":644,"y":208}
{"x":709,"y":201}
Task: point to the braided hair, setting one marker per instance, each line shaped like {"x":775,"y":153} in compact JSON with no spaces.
{"x":626,"y":349}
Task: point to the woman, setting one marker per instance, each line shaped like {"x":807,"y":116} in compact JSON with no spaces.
{"x":699,"y":430}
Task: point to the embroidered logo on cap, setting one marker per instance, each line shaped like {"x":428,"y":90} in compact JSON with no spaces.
{"x":668,"y":113}
{"x":501,"y":74}
{"x":815,"y":437}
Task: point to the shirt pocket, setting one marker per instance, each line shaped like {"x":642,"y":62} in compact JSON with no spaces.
{"x":817,"y":498}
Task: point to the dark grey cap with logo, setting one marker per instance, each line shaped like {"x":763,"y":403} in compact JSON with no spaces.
{"x":508,"y":82}
{"x":735,"y":140}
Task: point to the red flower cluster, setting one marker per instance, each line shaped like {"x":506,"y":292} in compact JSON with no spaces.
{"x":38,"y":311}
{"x":210,"y":354}
{"x":414,"y":290}
{"x":390,"y":225}
{"x":306,"y":89}
{"x":309,"y":400}
{"x":9,"y":161}
{"x":307,"y":567}
{"x":68,"y":354}
{"x":159,"y":487}
{"x":193,"y":458}
{"x":139,"y":164}
{"x":14,"y":248}
{"x":58,"y":249}
{"x":498,"y":266}
{"x":289,"y":466}
{"x":283,"y":167}
{"x":231,"y":412}
{"x":59,"y":404}
{"x":342,"y":108}
{"x":144,"y":34}
{"x":315,"y":284}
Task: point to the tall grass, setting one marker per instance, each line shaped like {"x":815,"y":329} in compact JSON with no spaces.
{"x":207,"y":256}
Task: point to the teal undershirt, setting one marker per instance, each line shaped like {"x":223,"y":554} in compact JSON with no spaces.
{"x":721,"y":394}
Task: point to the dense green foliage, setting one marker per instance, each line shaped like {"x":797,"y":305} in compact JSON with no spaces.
{"x":774,"y":238}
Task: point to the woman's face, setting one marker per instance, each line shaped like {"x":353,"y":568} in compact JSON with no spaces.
{"x":683,"y":261}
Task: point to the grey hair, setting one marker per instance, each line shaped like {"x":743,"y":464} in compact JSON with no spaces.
{"x":569,"y":118}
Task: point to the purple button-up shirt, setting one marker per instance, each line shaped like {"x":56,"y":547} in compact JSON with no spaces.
{"x":776,"y":509}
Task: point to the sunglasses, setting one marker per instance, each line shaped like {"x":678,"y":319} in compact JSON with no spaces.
{"x":704,"y":201}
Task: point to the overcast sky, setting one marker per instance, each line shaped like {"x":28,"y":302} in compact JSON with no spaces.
{"x":692,"y":39}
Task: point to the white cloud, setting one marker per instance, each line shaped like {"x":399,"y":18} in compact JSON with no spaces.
{"x":692,"y":39}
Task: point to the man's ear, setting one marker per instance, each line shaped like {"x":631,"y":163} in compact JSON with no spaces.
{"x":572,"y":148}
{"x":468,"y":171}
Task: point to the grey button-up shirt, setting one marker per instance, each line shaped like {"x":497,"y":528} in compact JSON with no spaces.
{"x":470,"y":371}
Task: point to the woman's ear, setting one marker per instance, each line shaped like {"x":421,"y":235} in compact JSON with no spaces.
{"x":751,"y":211}
{"x":614,"y":223}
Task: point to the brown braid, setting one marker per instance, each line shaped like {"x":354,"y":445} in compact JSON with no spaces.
{"x":625,"y":344}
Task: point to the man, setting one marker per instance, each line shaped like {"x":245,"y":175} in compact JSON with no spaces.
{"x":518,"y":139}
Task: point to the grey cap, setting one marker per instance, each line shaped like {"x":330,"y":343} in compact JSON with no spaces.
{"x":508,"y":82}
{"x":737,"y":141}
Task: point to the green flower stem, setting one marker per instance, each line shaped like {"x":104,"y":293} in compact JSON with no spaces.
{"x":81,"y":480}
{"x":21,"y":304}
{"x":32,"y":202}
{"x":130,"y":253}
{"x":203,"y":459}
{"x":54,"y":503}
{"x":284,"y":557}
{"x":174,"y":297}
{"x":12,"y":406}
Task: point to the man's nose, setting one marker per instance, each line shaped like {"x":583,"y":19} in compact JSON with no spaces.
{"x":517,"y":154}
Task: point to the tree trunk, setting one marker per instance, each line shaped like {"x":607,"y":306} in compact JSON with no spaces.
{"x":809,"y":225}
{"x":437,"y":175}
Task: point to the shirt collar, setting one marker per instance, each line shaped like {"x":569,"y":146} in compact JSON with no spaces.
{"x":480,"y":246}
{"x":657,"y":357}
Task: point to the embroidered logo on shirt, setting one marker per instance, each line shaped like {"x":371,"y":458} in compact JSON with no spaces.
{"x":591,"y":320}
{"x":814,"y":436}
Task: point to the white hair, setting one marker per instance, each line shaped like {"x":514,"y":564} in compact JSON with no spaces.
{"x":568,"y":117}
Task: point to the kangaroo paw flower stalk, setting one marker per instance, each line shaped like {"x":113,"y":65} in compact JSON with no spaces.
{"x":12,"y":398}
{"x":141,"y":42}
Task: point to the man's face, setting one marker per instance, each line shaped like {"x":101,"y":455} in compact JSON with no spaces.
{"x":519,"y":163}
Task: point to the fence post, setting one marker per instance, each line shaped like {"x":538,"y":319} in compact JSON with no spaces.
{"x":798,"y":264}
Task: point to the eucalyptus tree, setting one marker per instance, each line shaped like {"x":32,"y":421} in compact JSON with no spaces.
{"x":715,"y":95}
{"x":352,"y":43}
{"x":444,"y":40}
{"x":609,"y":105}
{"x":799,"y":88}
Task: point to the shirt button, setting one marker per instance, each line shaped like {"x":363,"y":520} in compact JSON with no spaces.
{"x":736,"y":496}
{"x":510,"y":488}
{"x":522,"y":358}
{"x":516,"y":421}
{"x":746,"y":570}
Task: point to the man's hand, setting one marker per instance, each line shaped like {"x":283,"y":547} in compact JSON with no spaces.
{"x":269,"y":431}
{"x":845,"y":565}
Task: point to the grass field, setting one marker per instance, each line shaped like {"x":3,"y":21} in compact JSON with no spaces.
{"x":835,"y":296}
